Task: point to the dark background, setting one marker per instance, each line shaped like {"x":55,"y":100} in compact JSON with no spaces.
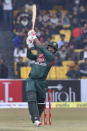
{"x":46,"y":4}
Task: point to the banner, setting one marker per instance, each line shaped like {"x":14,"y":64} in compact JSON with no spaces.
{"x":64,"y":94}
{"x":84,"y":90}
{"x":69,"y":105}
{"x":59,"y":105}
{"x":61,"y":91}
{"x":10,"y":91}
{"x":65,"y":90}
{"x":14,"y":105}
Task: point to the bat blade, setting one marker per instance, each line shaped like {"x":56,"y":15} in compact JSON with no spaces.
{"x":33,"y":16}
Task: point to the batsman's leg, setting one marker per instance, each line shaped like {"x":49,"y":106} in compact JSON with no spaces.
{"x":32,"y":105}
{"x":41,"y":105}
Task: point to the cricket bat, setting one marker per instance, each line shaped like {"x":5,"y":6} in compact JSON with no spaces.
{"x":33,"y":16}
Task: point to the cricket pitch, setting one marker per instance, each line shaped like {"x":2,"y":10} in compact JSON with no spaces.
{"x":62,"y":120}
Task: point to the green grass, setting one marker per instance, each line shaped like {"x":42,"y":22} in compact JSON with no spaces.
{"x":62,"y":120}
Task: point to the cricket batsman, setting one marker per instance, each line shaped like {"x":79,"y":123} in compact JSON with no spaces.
{"x":36,"y":83}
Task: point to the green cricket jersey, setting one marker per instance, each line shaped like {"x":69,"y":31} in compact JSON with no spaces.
{"x":43,"y":63}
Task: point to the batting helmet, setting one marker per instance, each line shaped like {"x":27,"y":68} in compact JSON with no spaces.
{"x":53,"y":44}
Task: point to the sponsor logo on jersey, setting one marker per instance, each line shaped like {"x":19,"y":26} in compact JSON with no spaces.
{"x":40,"y":58}
{"x":42,"y":64}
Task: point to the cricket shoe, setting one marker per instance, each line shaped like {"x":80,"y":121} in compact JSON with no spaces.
{"x":37,"y":123}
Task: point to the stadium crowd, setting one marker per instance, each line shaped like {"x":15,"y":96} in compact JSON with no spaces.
{"x":51,"y":23}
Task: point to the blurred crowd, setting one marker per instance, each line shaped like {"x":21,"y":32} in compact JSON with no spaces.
{"x":48,"y":24}
{"x":3,"y":69}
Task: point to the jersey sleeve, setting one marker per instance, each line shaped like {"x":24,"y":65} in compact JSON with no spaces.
{"x":31,"y":56}
{"x":49,"y":56}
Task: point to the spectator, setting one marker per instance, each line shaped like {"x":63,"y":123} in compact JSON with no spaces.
{"x":75,"y":43}
{"x":77,"y":33}
{"x":82,"y":14}
{"x":24,"y":13}
{"x":83,"y":54}
{"x":73,"y":72}
{"x":24,"y":23}
{"x":62,"y":41}
{"x":21,"y":3}
{"x":83,"y":67}
{"x":47,"y":34}
{"x":48,"y":40}
{"x":41,"y":38}
{"x":75,"y":7}
{"x":47,"y":24}
{"x":61,"y":56}
{"x":67,"y":45}
{"x":54,"y":29}
{"x":3,"y":69}
{"x":20,"y":52}
{"x":20,"y":58}
{"x":19,"y":37}
{"x":23,"y":19}
{"x":20,"y":64}
{"x":84,"y":35}
{"x":8,"y":13}
{"x":54,"y":19}
{"x":75,"y":15}
{"x":72,"y":55}
{"x":76,"y":30}
{"x":65,"y":19}
{"x":28,"y":6}
{"x":43,"y":16}
{"x":75,"y":23}
{"x":85,"y":30}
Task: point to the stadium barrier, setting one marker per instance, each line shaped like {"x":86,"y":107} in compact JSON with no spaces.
{"x":72,"y":91}
{"x":24,"y":105}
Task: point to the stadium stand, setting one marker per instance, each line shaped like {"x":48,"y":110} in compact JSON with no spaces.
{"x":25,"y":72}
{"x":50,"y":24}
{"x":56,"y":72}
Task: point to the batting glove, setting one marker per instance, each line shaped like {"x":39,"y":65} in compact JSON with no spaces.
{"x":32,"y":33}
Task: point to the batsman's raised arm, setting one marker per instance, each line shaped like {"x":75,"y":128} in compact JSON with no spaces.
{"x":49,"y":52}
